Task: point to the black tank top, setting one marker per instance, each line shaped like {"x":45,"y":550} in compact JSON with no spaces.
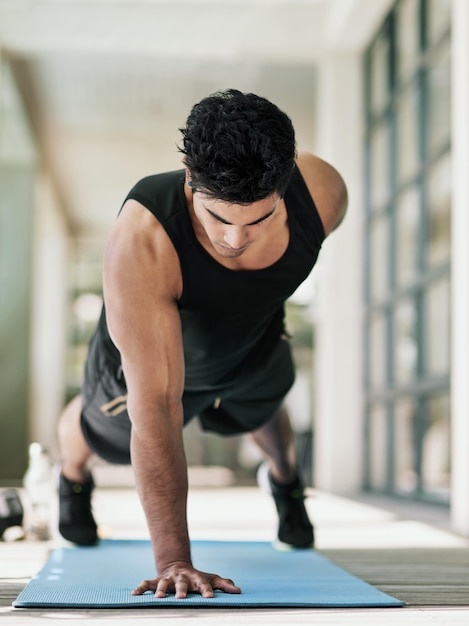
{"x":230,"y":319}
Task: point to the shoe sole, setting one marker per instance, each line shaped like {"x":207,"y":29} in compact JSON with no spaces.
{"x":280,"y":546}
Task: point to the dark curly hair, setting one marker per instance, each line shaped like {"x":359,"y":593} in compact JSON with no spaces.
{"x":238,"y":147}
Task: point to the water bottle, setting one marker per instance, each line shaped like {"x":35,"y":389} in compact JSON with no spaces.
{"x":39,"y":494}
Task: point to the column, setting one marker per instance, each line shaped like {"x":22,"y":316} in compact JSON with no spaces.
{"x":338,"y":435}
{"x":49,"y":314}
{"x":17,"y":169}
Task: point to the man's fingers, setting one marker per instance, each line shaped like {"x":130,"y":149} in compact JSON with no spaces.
{"x":225,"y":584}
{"x":162,"y":588}
{"x":181,"y":589}
{"x":181,"y":585}
{"x":205,"y":590}
{"x":145,"y":585}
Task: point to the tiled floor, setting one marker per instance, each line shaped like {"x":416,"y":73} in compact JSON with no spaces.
{"x":343,"y":527}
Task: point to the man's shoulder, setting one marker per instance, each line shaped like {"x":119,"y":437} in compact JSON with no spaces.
{"x":160,"y":180}
{"x":327,"y":188}
{"x":161,"y":194}
{"x":139,"y":241}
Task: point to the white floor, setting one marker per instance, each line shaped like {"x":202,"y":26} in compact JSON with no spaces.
{"x":240,"y":513}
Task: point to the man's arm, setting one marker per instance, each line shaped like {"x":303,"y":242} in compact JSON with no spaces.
{"x":326,"y":187}
{"x":142,"y":282}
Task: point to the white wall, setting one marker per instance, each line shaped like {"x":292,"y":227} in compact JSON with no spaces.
{"x":49,"y":313}
{"x":338,"y":453}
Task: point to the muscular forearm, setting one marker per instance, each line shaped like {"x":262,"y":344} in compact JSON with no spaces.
{"x":161,"y":477}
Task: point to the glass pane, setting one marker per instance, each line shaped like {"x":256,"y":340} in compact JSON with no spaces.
{"x":439,"y":213}
{"x":436,"y":446}
{"x":439,"y":102}
{"x":407,"y":36}
{"x":377,"y":374}
{"x":380,"y":73}
{"x":405,"y":417}
{"x":437,"y":328}
{"x":378,"y":447}
{"x":379,"y":166}
{"x":407,"y":232}
{"x":439,"y":14}
{"x":407,"y":129}
{"x":405,"y":341}
{"x":379,"y":257}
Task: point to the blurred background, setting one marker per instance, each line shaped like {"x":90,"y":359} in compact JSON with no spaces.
{"x":92,"y":94}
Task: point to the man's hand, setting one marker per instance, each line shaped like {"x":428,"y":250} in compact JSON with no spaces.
{"x":181,"y":578}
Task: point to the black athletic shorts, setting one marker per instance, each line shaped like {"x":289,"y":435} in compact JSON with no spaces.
{"x":243,"y":405}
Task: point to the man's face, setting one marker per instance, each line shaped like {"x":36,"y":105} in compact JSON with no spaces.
{"x":232,"y":228}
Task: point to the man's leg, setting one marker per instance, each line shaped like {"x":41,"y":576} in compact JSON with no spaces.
{"x":73,"y":447}
{"x":76,"y":522}
{"x":276,"y":441}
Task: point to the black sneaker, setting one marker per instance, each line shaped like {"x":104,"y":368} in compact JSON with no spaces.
{"x":76,"y":521}
{"x":294,"y":528}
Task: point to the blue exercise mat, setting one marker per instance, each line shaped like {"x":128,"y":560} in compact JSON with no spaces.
{"x":104,"y":576}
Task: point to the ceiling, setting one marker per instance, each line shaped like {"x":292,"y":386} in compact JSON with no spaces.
{"x":108,"y":82}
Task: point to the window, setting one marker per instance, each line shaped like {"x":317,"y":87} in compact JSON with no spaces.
{"x":439,"y":12}
{"x":379,"y":270}
{"x":436,"y":446}
{"x":378,"y":351}
{"x":378,"y":447}
{"x":439,"y":101}
{"x":407,"y":135}
{"x":405,"y":341}
{"x":407,"y":278}
{"x":405,"y":437}
{"x":438,"y":217}
{"x":380,"y":166}
{"x":407,"y":208}
{"x":408,"y":50}
{"x":436,"y":337}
